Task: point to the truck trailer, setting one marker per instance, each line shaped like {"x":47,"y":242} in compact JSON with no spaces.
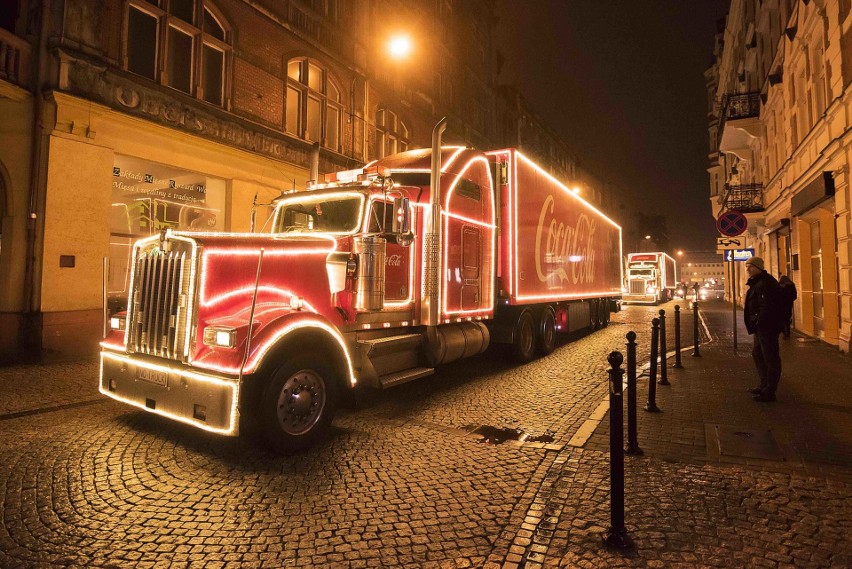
{"x":373,"y":278}
{"x":651,"y":278}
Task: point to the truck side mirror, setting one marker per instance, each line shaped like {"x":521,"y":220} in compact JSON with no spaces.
{"x":402,"y":221}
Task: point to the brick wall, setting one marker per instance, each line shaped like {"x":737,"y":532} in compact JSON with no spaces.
{"x":258,"y":94}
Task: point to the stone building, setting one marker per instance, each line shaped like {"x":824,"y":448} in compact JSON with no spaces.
{"x":781,"y":147}
{"x":121,"y":118}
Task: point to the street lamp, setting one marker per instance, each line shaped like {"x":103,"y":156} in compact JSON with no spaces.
{"x":399,"y":47}
{"x":680,"y":253}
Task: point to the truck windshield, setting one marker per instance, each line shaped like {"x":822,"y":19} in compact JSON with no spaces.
{"x":320,"y":214}
{"x":641,"y":272}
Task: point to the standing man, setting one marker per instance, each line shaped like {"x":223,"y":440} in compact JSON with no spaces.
{"x":763,"y":317}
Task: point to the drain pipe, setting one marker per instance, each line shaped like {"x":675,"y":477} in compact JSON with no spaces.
{"x":433,"y":238}
{"x":32,"y":287}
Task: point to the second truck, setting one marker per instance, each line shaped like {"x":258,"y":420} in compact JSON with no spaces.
{"x":372,"y":279}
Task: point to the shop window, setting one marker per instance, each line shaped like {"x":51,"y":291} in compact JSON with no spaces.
{"x":392,"y":134}
{"x":192,"y":36}
{"x":313,"y":106}
{"x":148,"y":197}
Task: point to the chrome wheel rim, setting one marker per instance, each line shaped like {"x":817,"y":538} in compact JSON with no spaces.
{"x":301,"y":402}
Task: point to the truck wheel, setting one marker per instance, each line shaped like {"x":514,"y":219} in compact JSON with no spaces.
{"x":523,"y":342}
{"x":298,"y":404}
{"x":546,"y":332}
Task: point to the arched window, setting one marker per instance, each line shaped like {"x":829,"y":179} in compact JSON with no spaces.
{"x":184,"y":44}
{"x":314,"y":111}
{"x":391,"y":133}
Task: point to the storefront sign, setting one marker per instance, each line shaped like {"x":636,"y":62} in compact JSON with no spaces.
{"x":127,"y":96}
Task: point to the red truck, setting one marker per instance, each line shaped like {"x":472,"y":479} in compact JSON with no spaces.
{"x":372,"y":279}
{"x":651,"y":278}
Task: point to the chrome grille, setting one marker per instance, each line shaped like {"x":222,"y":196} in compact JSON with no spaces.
{"x":158,"y":323}
{"x":637,"y":287}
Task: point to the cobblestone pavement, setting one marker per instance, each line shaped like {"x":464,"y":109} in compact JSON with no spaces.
{"x":88,"y":482}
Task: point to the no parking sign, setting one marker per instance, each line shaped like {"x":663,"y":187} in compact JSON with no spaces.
{"x":731,"y":223}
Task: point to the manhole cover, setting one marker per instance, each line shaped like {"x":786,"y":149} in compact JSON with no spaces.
{"x":743,"y":442}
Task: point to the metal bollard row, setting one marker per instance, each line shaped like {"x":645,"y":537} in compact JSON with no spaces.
{"x":616,"y":535}
{"x":695,"y":352}
{"x":664,"y":368}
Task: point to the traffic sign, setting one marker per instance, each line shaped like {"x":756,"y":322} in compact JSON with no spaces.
{"x":739,"y":254}
{"x":731,"y":223}
{"x":727,"y":243}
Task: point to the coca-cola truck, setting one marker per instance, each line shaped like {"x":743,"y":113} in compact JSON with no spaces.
{"x":651,"y":278}
{"x":371,"y":279}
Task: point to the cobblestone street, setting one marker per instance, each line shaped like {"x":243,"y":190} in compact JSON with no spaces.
{"x":404,"y":482}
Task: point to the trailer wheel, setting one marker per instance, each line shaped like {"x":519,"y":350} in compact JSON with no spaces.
{"x":546,"y":332}
{"x":604,"y":319}
{"x":298,"y":404}
{"x":594,"y":314}
{"x":523,"y":340}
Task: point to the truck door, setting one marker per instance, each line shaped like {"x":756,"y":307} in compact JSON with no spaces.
{"x":470,"y":267}
{"x":398,"y":259}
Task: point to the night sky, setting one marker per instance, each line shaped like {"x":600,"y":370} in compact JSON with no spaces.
{"x":623,"y":82}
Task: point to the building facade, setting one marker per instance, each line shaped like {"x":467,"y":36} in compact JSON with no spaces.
{"x":701,"y":267}
{"x":781,"y":147}
{"x":122,"y":118}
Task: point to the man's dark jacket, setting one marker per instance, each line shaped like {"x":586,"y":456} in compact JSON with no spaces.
{"x":763,"y":304}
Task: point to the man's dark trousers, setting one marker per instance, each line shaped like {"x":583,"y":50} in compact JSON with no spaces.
{"x":767,"y":358}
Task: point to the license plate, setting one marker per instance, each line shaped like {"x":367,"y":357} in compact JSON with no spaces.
{"x":152,"y":376}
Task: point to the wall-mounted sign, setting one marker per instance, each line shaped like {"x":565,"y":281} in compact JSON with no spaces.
{"x":739,"y":255}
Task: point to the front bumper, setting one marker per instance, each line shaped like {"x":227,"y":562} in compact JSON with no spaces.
{"x":639,"y":298}
{"x":204,"y":401}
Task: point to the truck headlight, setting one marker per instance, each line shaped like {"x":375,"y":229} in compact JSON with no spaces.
{"x":624,"y":289}
{"x":117,"y":323}
{"x":219,"y":337}
{"x":651,"y":289}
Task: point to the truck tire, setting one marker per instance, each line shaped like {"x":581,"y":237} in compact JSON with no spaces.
{"x":298,"y":404}
{"x":546,"y":341}
{"x":603,"y":318}
{"x":594,"y":314}
{"x":523,"y":340}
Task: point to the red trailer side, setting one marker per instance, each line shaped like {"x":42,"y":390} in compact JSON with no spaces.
{"x":554,"y":245}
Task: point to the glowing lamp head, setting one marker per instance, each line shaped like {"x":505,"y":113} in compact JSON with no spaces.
{"x":399,"y":47}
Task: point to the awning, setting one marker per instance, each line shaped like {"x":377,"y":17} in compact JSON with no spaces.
{"x":813,"y":194}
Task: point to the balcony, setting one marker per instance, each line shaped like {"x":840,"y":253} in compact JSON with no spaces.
{"x":740,"y":124}
{"x":745,"y":198}
{"x":14,"y":60}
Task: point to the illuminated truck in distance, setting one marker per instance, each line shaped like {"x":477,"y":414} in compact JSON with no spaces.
{"x":651,"y":278}
{"x":373,"y":278}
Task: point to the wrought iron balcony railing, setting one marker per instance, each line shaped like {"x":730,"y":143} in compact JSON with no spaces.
{"x":741,"y":106}
{"x":746,"y":198}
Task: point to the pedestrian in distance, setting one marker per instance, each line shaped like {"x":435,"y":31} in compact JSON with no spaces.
{"x":763,"y":316}
{"x":788,"y":296}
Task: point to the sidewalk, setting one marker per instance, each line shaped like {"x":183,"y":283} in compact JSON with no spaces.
{"x":724,"y":481}
{"x":810,"y":424}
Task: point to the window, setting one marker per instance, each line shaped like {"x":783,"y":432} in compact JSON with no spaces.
{"x":180,"y":43}
{"x":313,"y":106}
{"x":392,"y":134}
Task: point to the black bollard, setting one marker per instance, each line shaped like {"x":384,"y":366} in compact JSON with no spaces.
{"x":664,"y":368}
{"x":695,"y":352}
{"x":616,"y":535}
{"x":632,"y":437}
{"x":651,"y":405}
{"x":677,"y":363}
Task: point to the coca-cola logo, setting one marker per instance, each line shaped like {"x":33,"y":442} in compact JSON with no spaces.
{"x":394,"y":260}
{"x":564,"y":251}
